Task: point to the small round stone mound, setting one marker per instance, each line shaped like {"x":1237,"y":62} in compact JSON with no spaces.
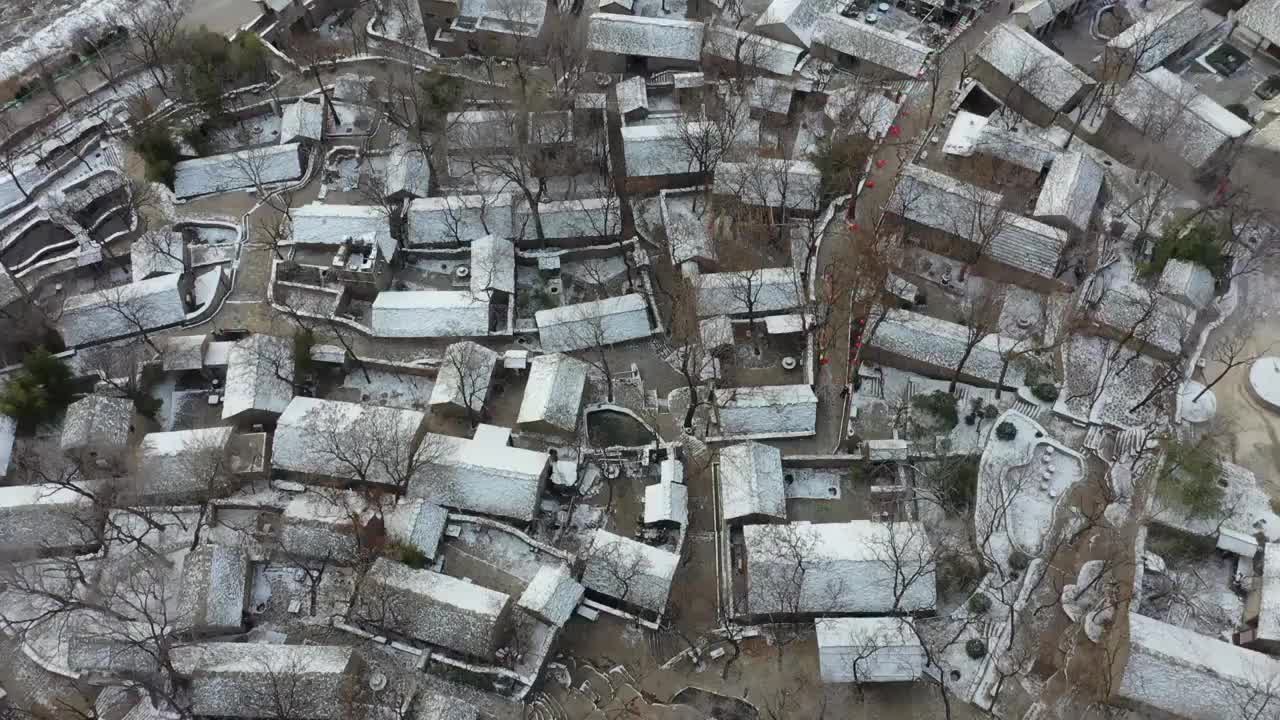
{"x":1264,"y":381}
{"x":1199,"y":410}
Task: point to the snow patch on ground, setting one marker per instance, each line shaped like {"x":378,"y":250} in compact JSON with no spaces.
{"x":58,"y":36}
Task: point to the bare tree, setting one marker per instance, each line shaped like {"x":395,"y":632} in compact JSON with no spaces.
{"x":1231,"y":349}
{"x":980,"y":317}
{"x":467,"y":371}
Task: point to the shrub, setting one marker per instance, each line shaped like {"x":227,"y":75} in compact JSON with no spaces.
{"x":958,"y":485}
{"x":941,"y":405}
{"x":1191,"y":476}
{"x":1019,"y":560}
{"x":921,"y":298}
{"x":39,"y":392}
{"x":975,"y":648}
{"x":303,"y":341}
{"x":407,"y":554}
{"x":1006,"y":431}
{"x":979,"y":603}
{"x":990,"y":412}
{"x":1047,"y":392}
{"x":1201,"y":243}
{"x":158,"y":151}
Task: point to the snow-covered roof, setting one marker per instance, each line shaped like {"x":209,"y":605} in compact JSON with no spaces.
{"x":408,"y":172}
{"x":1187,"y":282}
{"x":658,"y":149}
{"x":123,"y":310}
{"x":1269,"y":604}
{"x":862,"y":566}
{"x":1033,"y":66}
{"x":1157,"y":35}
{"x":771,"y":410}
{"x":666,"y":502}
{"x":464,"y":377}
{"x":241,"y":679}
{"x":1189,"y":675}
{"x":793,"y":20}
{"x":769,"y":182}
{"x":633,"y":95}
{"x":872,"y":649}
{"x":716,"y":332}
{"x":332,"y":225}
{"x":1017,"y":148}
{"x":157,"y":252}
{"x":215,"y":583}
{"x":458,"y":219}
{"x":180,"y":467}
{"x":39,"y":518}
{"x":553,"y":393}
{"x":429,"y":313}
{"x":259,"y":376}
{"x":769,"y":290}
{"x":645,"y":37}
{"x":418,"y":524}
{"x":312,"y":437}
{"x":630,"y":571}
{"x":321,"y":524}
{"x":596,"y":322}
{"x":97,"y":422}
{"x":941,"y":344}
{"x":511,"y":17}
{"x":1262,"y":17}
{"x":1157,"y":320}
{"x":237,"y":170}
{"x":1172,"y":112}
{"x":568,"y":219}
{"x":726,"y":43}
{"x":966,"y":211}
{"x":303,"y":120}
{"x":751,"y":481}
{"x":1070,"y":190}
{"x":869,"y":111}
{"x":432,"y":607}
{"x":1037,"y":13}
{"x":855,"y":38}
{"x":483,"y":477}
{"x":687,"y":231}
{"x":552,"y":594}
{"x":493,"y":266}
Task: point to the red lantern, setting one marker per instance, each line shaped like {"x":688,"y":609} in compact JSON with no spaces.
{"x":871,"y":183}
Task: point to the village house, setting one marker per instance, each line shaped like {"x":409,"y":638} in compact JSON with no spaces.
{"x":552,"y":400}
{"x":260,"y":379}
{"x":1189,"y":283}
{"x":46,"y":520}
{"x":98,"y":429}
{"x":302,"y":122}
{"x":418,"y":524}
{"x":629,"y":574}
{"x":579,"y":221}
{"x":666,"y":504}
{"x":1160,"y":108}
{"x":751,"y":485}
{"x":771,"y":183}
{"x":1121,"y":309}
{"x":458,"y":219}
{"x":324,"y":525}
{"x":769,"y":290}
{"x":1262,"y":605}
{"x":1155,"y":37}
{"x":1070,"y":193}
{"x":132,"y":309}
{"x":735,"y":49}
{"x":857,"y":567}
{"x":954,"y":218}
{"x":934,"y":347}
{"x":483,"y":474}
{"x":429,"y":314}
{"x":1028,"y":76}
{"x":871,"y":649}
{"x":214,"y":592}
{"x":437,"y":609}
{"x":658,"y":156}
{"x":184,"y":467}
{"x":792,"y":21}
{"x":330,"y":441}
{"x":1180,"y":672}
{"x":867,"y":50}
{"x":263,"y":166}
{"x":1258,"y":26}
{"x":243,"y":680}
{"x":1042,"y":17}
{"x":462,"y":385}
{"x":772,"y":411}
{"x":621,"y":42}
{"x":330,"y":226}
{"x":552,"y":595}
{"x":633,"y":98}
{"x":488,"y":27}
{"x":408,"y":173}
{"x":585,"y":325}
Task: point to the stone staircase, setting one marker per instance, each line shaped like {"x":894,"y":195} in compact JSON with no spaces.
{"x":1132,"y":442}
{"x":1029,"y":409}
{"x":872,"y":387}
{"x":544,"y":707}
